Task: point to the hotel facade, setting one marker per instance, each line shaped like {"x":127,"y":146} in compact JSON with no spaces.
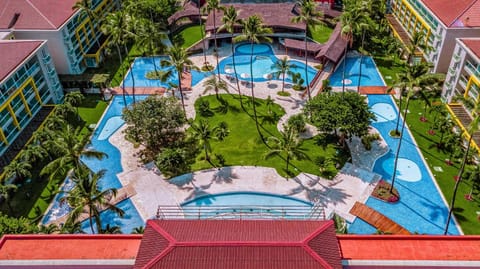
{"x":441,"y":22}
{"x":28,"y":82}
{"x":75,"y":42}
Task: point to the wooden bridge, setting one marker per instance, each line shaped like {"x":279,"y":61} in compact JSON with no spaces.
{"x":377,"y":220}
{"x":122,"y":194}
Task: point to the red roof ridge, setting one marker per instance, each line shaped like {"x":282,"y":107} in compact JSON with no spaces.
{"x":41,"y":14}
{"x":463,"y":12}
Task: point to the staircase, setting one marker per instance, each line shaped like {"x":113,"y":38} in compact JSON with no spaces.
{"x":463,"y":117}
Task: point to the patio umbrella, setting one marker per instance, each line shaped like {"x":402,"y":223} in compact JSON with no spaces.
{"x":268,"y":76}
{"x":244,"y":75}
{"x":229,"y":70}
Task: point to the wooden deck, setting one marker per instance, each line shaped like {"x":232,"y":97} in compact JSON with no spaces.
{"x":122,"y":194}
{"x":377,"y":220}
{"x":186,"y":86}
{"x":375,"y":90}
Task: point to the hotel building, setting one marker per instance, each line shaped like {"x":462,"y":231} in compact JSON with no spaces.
{"x":441,"y":21}
{"x":75,"y":42}
{"x":462,"y":85}
{"x":28,"y":82}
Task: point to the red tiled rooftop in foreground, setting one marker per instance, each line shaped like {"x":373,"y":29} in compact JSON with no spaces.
{"x":64,"y":247}
{"x":456,"y":13}
{"x":13,"y":52}
{"x":410,"y":248}
{"x":35,"y":14}
{"x":232,"y":244}
{"x":473,"y":44}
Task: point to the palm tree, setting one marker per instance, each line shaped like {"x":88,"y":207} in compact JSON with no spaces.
{"x":254,"y":32}
{"x":17,"y":170}
{"x":472,"y":128}
{"x":116,"y":26}
{"x":417,"y":42}
{"x":213,"y":6}
{"x":179,"y":61}
{"x":111,"y":230}
{"x":215,"y":84}
{"x":48,"y":229}
{"x":309,"y":15}
{"x":202,"y":34}
{"x":149,"y":39}
{"x":202,"y":132}
{"x":364,"y":23}
{"x":86,"y":7}
{"x":86,"y":197}
{"x":288,"y":144}
{"x":6,"y":192}
{"x":138,"y":230}
{"x":283,"y":67}
{"x":70,"y":147}
{"x":473,"y":175}
{"x":33,"y":152}
{"x":230,"y":20}
{"x":74,"y":99}
{"x":415,"y":80}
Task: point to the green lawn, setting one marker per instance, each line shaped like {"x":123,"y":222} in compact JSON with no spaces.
{"x":33,"y":197}
{"x":465,"y":211}
{"x":244,"y":147}
{"x":190,"y":35}
{"x":319,"y":33}
{"x":389,"y":68}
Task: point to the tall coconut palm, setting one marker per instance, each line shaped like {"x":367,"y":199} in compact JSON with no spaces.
{"x":309,"y":15}
{"x":213,"y":83}
{"x":415,"y":81}
{"x":230,"y":20}
{"x":116,"y":26}
{"x":149,"y":39}
{"x":213,"y":6}
{"x":363,"y":24}
{"x":33,"y":152}
{"x":203,"y":133}
{"x":289,"y":145}
{"x":255,"y":32}
{"x":202,"y":33}
{"x":283,"y":67}
{"x":418,"y":42}
{"x":17,"y":170}
{"x":86,"y":7}
{"x":472,"y":128}
{"x":74,"y":99}
{"x":86,"y":197}
{"x":179,"y":61}
{"x":69,"y":148}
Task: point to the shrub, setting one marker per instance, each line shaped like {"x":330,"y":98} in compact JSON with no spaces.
{"x":283,"y":93}
{"x":297,"y":122}
{"x":368,"y":139}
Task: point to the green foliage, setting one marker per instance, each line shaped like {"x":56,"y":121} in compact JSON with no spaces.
{"x":204,"y":109}
{"x":174,"y":161}
{"x":283,"y":93}
{"x":368,"y":139}
{"x":155,"y":123}
{"x":326,"y":166}
{"x":297,"y":122}
{"x":298,"y":82}
{"x":11,"y":225}
{"x":320,"y":33}
{"x":189,"y":36}
{"x":346,"y":112}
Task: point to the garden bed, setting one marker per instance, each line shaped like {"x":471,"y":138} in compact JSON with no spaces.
{"x":383,"y":193}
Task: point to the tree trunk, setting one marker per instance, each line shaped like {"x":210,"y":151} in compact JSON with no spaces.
{"x":457,"y":183}
{"x":399,"y":112}
{"x":306,"y":64}
{"x":235,"y":71}
{"x":215,"y":42}
{"x":253,"y":92}
{"x":344,"y":68}
{"x":133,"y":82}
{"x":283,"y":82}
{"x":288,"y":162}
{"x":399,"y":144}
{"x":123,"y":74}
{"x":201,"y":33}
{"x":181,"y":92}
{"x":361,"y":61}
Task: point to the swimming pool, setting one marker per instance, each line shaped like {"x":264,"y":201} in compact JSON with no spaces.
{"x":263,"y":59}
{"x":109,"y":123}
{"x":421,"y":207}
{"x":143,"y":65}
{"x":244,"y":203}
{"x":370,"y":75}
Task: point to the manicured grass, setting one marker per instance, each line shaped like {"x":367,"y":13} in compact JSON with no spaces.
{"x":32,"y":198}
{"x":389,"y":68}
{"x":190,"y":35}
{"x":319,"y":33}
{"x":244,"y":147}
{"x":465,"y":211}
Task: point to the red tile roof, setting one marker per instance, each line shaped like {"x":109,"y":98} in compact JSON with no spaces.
{"x":473,"y":44}
{"x":68,"y":247}
{"x":35,"y":14}
{"x":232,"y":244}
{"x":13,"y":52}
{"x":409,"y":248}
{"x":457,"y":13}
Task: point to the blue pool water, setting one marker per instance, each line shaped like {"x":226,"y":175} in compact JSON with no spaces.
{"x":110,"y":122}
{"x":370,"y":75}
{"x":141,"y":66}
{"x":263,"y":60}
{"x":421,"y":207}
